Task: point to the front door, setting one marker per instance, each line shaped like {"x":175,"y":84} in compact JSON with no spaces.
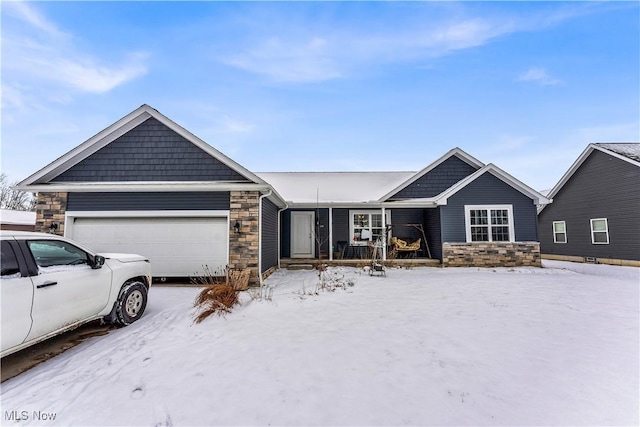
{"x":302,"y":235}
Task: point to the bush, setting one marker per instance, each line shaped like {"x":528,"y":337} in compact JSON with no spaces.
{"x":220,"y":291}
{"x":218,"y":299}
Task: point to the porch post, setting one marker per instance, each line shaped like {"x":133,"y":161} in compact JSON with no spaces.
{"x":384,"y":240}
{"x":330,"y":234}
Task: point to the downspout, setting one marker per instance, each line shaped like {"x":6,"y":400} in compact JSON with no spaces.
{"x":260,"y":234}
{"x":286,"y":206}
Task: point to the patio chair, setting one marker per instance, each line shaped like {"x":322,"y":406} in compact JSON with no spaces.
{"x":400,"y":246}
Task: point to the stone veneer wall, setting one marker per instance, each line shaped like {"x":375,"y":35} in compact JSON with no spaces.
{"x":491,"y":254}
{"x":243,"y":247}
{"x":51,"y":208}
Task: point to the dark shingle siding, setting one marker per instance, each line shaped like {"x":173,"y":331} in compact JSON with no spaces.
{"x":269,"y":235}
{"x":150,"y":152}
{"x":488,"y":190}
{"x":436,"y":180}
{"x":602,"y":187}
{"x":145,"y":201}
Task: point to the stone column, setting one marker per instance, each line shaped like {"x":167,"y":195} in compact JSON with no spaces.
{"x":243,"y":246}
{"x":50,"y":209}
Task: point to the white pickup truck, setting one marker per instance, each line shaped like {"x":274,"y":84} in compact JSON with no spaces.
{"x":50,"y":284}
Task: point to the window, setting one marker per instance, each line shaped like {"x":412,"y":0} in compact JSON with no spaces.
{"x":492,"y":223}
{"x":49,"y":253}
{"x":10,"y":267}
{"x":365,"y":226}
{"x":599,"y":231}
{"x":559,"y":232}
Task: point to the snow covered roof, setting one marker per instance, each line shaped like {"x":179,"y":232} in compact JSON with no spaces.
{"x":626,"y":149}
{"x":17,"y":217}
{"x":333,"y":187}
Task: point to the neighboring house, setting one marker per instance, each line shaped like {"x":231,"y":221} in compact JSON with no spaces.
{"x":17,"y":220}
{"x":595,"y":214}
{"x":146,"y":185}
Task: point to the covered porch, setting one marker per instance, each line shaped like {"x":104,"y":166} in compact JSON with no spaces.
{"x":309,"y":263}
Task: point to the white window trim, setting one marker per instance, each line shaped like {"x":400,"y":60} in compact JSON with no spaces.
{"x":606,"y":223}
{"x":467,"y":220}
{"x":553,"y":229}
{"x":385,"y":220}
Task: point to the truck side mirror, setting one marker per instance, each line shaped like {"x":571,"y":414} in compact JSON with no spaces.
{"x":98,"y":262}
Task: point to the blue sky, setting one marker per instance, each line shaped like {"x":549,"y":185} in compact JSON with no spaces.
{"x":328,"y":86}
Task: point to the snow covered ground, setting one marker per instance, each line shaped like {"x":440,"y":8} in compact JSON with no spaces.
{"x":426,"y":346}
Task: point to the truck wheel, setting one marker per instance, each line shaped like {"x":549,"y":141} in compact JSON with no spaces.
{"x":131,"y":302}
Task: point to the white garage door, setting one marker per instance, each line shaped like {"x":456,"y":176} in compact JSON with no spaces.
{"x":177,"y":247}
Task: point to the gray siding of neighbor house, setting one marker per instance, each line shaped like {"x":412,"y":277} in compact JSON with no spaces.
{"x":602,"y":187}
{"x":145,"y":201}
{"x":436,"y":180}
{"x":488,"y":190}
{"x":269,"y":235}
{"x":150,"y":152}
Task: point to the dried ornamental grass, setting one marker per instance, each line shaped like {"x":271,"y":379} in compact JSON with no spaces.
{"x":215,"y":299}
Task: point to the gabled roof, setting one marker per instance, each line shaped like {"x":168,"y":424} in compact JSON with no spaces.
{"x":538,"y":199}
{"x":116,"y":130}
{"x":453,"y":152}
{"x":333,"y":187}
{"x":628,"y":152}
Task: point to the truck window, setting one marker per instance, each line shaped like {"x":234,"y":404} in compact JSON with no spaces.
{"x":49,"y":253}
{"x":10,"y":266}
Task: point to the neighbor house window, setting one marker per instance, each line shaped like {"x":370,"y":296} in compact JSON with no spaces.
{"x":559,"y":232}
{"x":366,"y":226}
{"x":491,"y":223}
{"x":599,"y":231}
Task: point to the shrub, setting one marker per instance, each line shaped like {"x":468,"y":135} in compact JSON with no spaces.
{"x":218,"y":299}
{"x":220,"y":291}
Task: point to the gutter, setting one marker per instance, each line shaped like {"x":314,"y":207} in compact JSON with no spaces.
{"x":260,"y":235}
{"x":286,"y":206}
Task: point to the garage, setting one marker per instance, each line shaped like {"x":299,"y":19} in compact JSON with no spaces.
{"x":176,"y":246}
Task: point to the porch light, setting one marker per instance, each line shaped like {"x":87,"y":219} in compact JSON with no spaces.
{"x":236,"y":227}
{"x":53,"y":227}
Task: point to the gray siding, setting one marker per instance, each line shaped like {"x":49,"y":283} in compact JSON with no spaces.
{"x":322,"y":229}
{"x":488,"y":190}
{"x":400,"y":218}
{"x":432,"y":228}
{"x":269,"y":235}
{"x":144,"y":201}
{"x":436,"y":180}
{"x":340,"y":227}
{"x":150,"y":152}
{"x":285,"y":234}
{"x":602,"y":187}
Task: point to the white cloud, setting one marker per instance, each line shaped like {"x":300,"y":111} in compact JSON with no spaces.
{"x":540,"y":76}
{"x":36,"y":54}
{"x":300,"y":58}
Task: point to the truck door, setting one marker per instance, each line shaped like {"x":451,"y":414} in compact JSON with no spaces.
{"x":67,"y":289}
{"x":16,"y":295}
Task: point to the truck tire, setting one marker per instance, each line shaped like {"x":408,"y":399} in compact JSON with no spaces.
{"x":131,"y":303}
